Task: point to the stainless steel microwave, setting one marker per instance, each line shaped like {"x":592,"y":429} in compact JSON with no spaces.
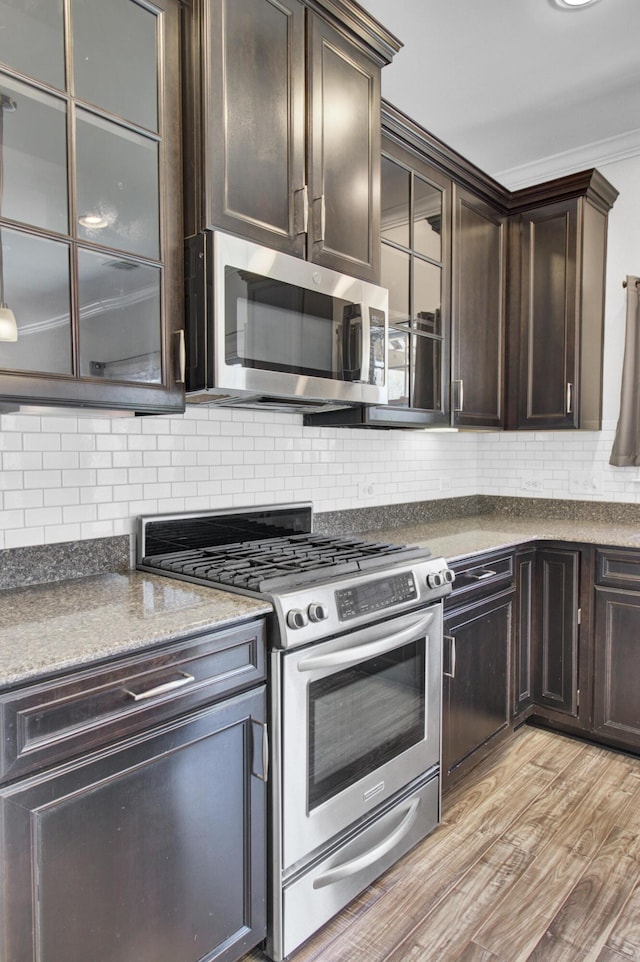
{"x":268,"y":329}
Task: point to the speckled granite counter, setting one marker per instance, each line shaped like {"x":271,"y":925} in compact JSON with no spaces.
{"x":458,"y":527}
{"x":47,"y":628}
{"x":457,"y":538}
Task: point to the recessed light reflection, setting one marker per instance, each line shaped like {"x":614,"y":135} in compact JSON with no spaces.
{"x":93,"y":221}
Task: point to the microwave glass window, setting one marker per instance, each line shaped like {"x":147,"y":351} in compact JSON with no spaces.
{"x":276,"y":326}
{"x":364,"y":716}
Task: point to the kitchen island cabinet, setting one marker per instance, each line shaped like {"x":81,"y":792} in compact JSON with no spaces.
{"x":282,"y":130}
{"x":133,"y":803}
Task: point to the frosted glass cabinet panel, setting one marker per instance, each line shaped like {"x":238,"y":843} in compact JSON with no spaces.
{"x":90,"y":203}
{"x":42,"y":311}
{"x":32,"y":39}
{"x":33,"y":157}
{"x":100,"y":29}
{"x":117,"y":177}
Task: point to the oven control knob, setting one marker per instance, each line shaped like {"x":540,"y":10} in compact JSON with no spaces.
{"x":449,"y":576}
{"x":297,"y":618}
{"x":317,"y":612}
{"x":435,"y":579}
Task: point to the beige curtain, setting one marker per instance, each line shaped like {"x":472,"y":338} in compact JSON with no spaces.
{"x":626,"y":447}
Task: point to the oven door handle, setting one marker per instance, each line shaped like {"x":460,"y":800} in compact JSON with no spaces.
{"x":356,"y":865}
{"x":352,"y":656}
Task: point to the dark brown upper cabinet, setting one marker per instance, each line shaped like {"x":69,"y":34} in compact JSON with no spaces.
{"x":478,"y":316}
{"x":557,"y":274}
{"x":90,"y":205}
{"x":283,"y":127}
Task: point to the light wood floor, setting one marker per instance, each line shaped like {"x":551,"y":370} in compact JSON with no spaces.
{"x":537,"y":858}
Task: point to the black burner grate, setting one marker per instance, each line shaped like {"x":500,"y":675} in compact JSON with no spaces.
{"x":283,"y":561}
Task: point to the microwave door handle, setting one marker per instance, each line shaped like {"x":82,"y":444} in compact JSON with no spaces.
{"x":352,"y":656}
{"x":366,"y":344}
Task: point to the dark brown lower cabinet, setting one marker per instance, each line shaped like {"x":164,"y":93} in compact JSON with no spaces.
{"x":523,"y":632}
{"x":556,"y":636}
{"x":617,"y":667}
{"x":477,"y":659}
{"x":151,"y":850}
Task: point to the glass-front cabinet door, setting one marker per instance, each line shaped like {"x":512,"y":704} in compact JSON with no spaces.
{"x":90,"y":216}
{"x":415,"y":269}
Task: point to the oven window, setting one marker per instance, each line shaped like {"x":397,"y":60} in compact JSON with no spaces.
{"x":364,"y":716}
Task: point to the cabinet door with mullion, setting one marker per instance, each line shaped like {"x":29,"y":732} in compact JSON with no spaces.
{"x":89,"y":128}
{"x":416,"y":210}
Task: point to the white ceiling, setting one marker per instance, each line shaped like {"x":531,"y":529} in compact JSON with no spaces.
{"x":523,"y":89}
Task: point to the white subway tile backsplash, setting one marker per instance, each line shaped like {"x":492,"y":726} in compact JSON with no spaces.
{"x":64,"y":478}
{"x":42,"y":479}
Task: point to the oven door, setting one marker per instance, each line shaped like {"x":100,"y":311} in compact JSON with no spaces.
{"x":360,"y":720}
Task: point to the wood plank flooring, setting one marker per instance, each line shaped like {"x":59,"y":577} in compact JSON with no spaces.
{"x":537,"y":858}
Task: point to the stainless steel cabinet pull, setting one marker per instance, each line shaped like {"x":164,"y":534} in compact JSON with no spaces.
{"x":264,"y":774}
{"x":301,"y":210}
{"x":460,"y":405}
{"x":373,"y":855}
{"x":319,"y":218}
{"x":180,"y":360}
{"x":452,"y":659}
{"x":351,"y":656}
{"x":569,"y":397}
{"x":487,"y":573}
{"x":178,"y":680}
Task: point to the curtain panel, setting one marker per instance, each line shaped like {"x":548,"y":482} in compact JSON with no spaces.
{"x":626,"y":446}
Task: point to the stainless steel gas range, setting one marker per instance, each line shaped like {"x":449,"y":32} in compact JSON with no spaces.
{"x":355,"y":693}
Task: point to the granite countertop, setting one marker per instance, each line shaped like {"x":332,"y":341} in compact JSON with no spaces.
{"x":67,"y":624}
{"x":460,"y":537}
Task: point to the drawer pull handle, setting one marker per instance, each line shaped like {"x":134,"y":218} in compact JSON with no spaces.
{"x":487,"y":573}
{"x":178,"y":681}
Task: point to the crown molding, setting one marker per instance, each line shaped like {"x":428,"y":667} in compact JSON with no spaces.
{"x":596,"y":154}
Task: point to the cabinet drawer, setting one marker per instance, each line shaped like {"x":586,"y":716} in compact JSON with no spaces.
{"x":617,"y":568}
{"x":51,"y":721}
{"x":476,"y":577}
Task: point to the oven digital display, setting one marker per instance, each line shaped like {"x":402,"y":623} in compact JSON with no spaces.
{"x":375,"y":595}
